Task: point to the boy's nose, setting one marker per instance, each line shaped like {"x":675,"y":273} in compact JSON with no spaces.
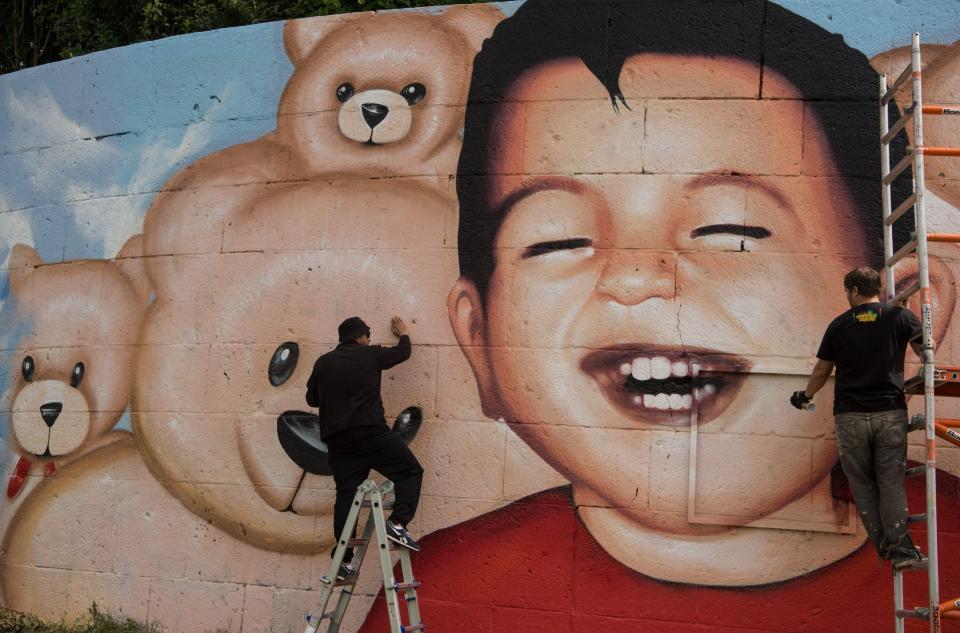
{"x":631,"y":277}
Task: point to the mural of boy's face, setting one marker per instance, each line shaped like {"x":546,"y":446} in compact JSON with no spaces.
{"x":698,"y":230}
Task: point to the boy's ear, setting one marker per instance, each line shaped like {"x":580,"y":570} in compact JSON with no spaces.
{"x":465,"y":308}
{"x":943,"y":291}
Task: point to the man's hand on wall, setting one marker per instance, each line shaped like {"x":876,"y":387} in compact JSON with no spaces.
{"x":398,"y":327}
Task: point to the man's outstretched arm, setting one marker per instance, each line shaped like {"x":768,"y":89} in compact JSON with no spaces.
{"x":391,"y":356}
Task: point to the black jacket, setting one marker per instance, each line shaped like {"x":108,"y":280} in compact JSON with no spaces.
{"x":345,"y":384}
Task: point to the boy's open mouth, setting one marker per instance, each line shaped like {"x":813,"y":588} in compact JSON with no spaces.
{"x":665,"y":384}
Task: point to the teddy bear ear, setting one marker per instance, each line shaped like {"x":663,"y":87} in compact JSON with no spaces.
{"x":130,"y":262}
{"x":475,"y":21}
{"x":22,"y":261}
{"x":301,"y":36}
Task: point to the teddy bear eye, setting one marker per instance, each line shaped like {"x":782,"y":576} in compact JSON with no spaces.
{"x":344,"y":92}
{"x":76,"y":376}
{"x":283,"y":362}
{"x":26,"y":368}
{"x":414,"y":93}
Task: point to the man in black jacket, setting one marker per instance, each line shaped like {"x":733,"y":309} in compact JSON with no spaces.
{"x":345,"y":386}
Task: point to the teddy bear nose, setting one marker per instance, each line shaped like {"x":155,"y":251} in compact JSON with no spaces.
{"x":374,"y":113}
{"x":49,"y":412}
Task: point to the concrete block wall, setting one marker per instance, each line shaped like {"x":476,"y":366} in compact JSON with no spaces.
{"x":176,"y":213}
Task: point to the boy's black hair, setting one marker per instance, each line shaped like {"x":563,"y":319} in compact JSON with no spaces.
{"x":835,"y":80}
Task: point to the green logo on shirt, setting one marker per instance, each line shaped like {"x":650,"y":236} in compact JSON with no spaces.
{"x":867,"y":316}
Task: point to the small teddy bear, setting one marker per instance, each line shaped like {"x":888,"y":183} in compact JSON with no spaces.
{"x":75,"y":356}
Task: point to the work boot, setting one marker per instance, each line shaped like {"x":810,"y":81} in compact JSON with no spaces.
{"x":399,"y":535}
{"x":905,"y":557}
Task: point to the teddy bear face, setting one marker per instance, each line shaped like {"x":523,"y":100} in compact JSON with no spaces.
{"x":75,"y":356}
{"x":380,"y":92}
{"x":230,"y":346}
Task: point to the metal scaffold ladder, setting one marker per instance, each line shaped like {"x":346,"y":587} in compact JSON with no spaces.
{"x":394,"y":591}
{"x":933,"y":380}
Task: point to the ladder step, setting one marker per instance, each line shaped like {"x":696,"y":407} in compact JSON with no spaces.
{"x":939,"y":109}
{"x":920,"y":613}
{"x":903,"y":295}
{"x":950,"y":238}
{"x":412,"y":627}
{"x":346,"y":583}
{"x":357,"y":542}
{"x":905,"y":162}
{"x":403,"y":586}
{"x":901,"y":209}
{"x":937,"y":151}
{"x":901,"y":122}
{"x":946,"y":382}
{"x":917,"y":518}
{"x":905,"y":250}
{"x":888,"y":95}
{"x":387,"y":505}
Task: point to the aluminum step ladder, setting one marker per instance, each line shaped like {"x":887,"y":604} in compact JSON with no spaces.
{"x":932,"y":380}
{"x":394,"y":591}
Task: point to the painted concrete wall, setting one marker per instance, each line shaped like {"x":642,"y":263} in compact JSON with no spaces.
{"x":182,"y":219}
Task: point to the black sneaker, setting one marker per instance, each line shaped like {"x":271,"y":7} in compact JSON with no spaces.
{"x":907,"y":557}
{"x":399,"y":535}
{"x":346,"y":572}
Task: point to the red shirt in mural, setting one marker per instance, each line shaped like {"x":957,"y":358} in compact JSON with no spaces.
{"x":533,"y":567}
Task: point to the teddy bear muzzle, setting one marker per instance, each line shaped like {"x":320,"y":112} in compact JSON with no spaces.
{"x":50,"y":418}
{"x":375,"y":117}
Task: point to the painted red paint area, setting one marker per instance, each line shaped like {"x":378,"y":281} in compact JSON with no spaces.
{"x":19,"y":476}
{"x":533,"y":567}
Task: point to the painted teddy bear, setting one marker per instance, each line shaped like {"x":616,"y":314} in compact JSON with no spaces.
{"x":262,"y":248}
{"x":78,"y":323}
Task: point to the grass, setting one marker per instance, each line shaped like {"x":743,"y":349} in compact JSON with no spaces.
{"x":95,"y":621}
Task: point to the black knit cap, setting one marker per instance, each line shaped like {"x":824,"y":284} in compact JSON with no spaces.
{"x":352,"y":329}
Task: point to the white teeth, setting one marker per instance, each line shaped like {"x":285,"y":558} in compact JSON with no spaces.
{"x":625,"y":369}
{"x":662,"y":401}
{"x":709,"y":390}
{"x":648,"y":400}
{"x":638,"y":400}
{"x":640,"y":369}
{"x":660,"y":367}
{"x":676,"y":401}
{"x":680,"y":369}
{"x":686,"y":402}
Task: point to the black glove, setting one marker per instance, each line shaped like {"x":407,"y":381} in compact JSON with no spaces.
{"x":800,"y":398}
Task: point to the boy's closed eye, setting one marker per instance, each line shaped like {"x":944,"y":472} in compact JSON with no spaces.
{"x":755,"y":232}
{"x":543,"y":248}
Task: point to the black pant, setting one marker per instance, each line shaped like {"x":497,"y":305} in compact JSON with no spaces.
{"x":390,"y":456}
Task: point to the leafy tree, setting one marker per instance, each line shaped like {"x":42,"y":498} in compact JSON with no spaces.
{"x":40,"y":31}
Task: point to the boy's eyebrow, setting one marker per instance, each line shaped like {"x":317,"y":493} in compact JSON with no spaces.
{"x":738,"y":180}
{"x":536,"y":185}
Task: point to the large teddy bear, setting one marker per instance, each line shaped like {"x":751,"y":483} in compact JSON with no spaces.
{"x":76,"y":332}
{"x":258,"y":251}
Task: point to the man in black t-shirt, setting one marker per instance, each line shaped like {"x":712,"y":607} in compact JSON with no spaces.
{"x":867,"y":344}
{"x":345,"y":386}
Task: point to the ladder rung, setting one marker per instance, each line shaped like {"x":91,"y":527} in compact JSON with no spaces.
{"x":916,"y":471}
{"x":920,"y":613}
{"x":403,"y":586}
{"x":939,"y":109}
{"x":917,"y":565}
{"x":906,"y":294}
{"x":917,"y":518}
{"x":386,"y":504}
{"x":905,"y":250}
{"x":900,"y":210}
{"x":901,"y":122}
{"x":950,"y":238}
{"x":938,"y":151}
{"x":344,"y":583}
{"x":888,"y":95}
{"x":412,"y":627}
{"x":357,"y":542}
{"x":905,"y":162}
